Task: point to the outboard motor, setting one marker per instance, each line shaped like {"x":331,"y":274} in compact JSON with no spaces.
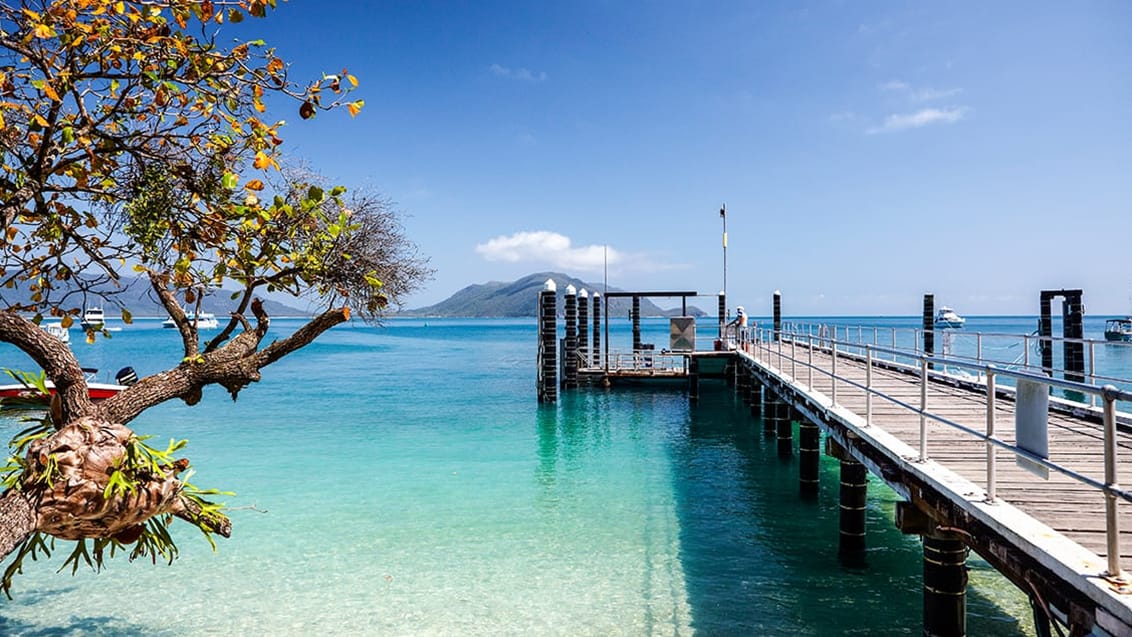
{"x":126,"y":376}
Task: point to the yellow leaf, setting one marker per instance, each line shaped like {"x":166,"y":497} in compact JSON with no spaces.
{"x":50,"y":92}
{"x":67,"y":321}
{"x":44,"y":31}
{"x":254,"y":184}
{"x":355,"y":107}
{"x":262,"y":161}
{"x":353,"y":80}
{"x":3,"y":124}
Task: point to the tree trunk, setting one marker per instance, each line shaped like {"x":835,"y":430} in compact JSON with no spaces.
{"x":17,"y":520}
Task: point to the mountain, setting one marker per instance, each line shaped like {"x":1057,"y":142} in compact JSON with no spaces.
{"x":519,"y":298}
{"x":138,"y":298}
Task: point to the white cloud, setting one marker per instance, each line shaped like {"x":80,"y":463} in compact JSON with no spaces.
{"x":520,"y":74}
{"x":918,"y":95}
{"x":924,"y":117}
{"x":547,"y":247}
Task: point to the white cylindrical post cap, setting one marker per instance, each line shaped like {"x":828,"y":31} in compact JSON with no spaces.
{"x":582,"y":293}
{"x":571,"y":290}
{"x":550,"y":286}
{"x":721,"y":292}
{"x":597,"y":295}
{"x":777,"y":293}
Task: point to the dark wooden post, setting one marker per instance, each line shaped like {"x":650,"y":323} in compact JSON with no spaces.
{"x":636,"y":324}
{"x":583,"y":328}
{"x":852,"y":502}
{"x":774,"y":412}
{"x":743,"y":382}
{"x":693,"y":379}
{"x":777,"y":314}
{"x":1045,"y":332}
{"x":945,"y":586}
{"x":756,"y":398}
{"x":597,"y":330}
{"x":785,"y":432}
{"x":929,"y":326}
{"x":570,"y":306}
{"x":722,"y":310}
{"x":548,"y":343}
{"x":809,"y":456}
{"x":1073,"y":317}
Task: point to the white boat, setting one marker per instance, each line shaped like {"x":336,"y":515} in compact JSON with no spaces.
{"x":946,"y":318}
{"x":1118,"y":329}
{"x":204,"y":321}
{"x":57,"y":330}
{"x":93,"y":318}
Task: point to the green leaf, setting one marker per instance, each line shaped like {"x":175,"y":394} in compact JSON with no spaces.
{"x":229,"y":181}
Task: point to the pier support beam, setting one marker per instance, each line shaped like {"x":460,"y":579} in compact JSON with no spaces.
{"x":809,"y":456}
{"x":722,"y":310}
{"x":570,"y":306}
{"x":945,"y":585}
{"x":597,"y":330}
{"x":743,"y":381}
{"x":547,"y":385}
{"x":1072,"y":314}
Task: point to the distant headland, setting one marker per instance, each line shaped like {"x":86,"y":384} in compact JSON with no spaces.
{"x":518,"y":298}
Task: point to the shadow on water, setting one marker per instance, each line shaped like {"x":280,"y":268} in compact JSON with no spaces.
{"x":758,"y":559}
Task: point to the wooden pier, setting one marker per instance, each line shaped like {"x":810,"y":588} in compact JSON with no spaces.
{"x":1014,"y":464}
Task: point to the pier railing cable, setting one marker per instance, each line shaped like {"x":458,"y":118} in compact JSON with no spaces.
{"x":767,"y":349}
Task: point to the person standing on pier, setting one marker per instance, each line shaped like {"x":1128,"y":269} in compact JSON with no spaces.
{"x":740,"y":325}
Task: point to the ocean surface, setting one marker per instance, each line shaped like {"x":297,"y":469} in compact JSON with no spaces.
{"x":403,"y":480}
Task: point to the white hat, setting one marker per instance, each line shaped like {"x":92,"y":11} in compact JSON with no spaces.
{"x":739,"y":309}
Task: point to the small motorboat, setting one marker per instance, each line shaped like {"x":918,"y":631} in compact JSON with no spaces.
{"x":947,"y":318}
{"x":203,"y":321}
{"x":25,"y":392}
{"x":94,"y":318}
{"x":57,"y":330}
{"x":1118,"y":329}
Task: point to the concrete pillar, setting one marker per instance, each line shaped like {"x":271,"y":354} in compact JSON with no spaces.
{"x":809,"y":457}
{"x":597,"y":330}
{"x":548,"y":343}
{"x":583,"y":328}
{"x":743,"y":381}
{"x":570,"y":307}
{"x":774,"y":412}
{"x":945,"y":586}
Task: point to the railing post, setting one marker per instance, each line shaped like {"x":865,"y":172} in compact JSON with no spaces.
{"x":978,"y":348}
{"x":1092,"y":371}
{"x":810,"y":365}
{"x":833,"y":371}
{"x":1112,"y":525}
{"x":992,"y":475}
{"x":793,"y":359}
{"x":923,"y":409}
{"x":868,"y":386}
{"x":1026,"y":352}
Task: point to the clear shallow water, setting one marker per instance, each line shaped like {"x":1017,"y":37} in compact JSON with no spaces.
{"x":403,"y":481}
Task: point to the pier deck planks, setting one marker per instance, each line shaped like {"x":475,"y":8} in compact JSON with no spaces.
{"x":1066,"y":505}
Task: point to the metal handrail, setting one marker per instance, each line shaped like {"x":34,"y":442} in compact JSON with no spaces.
{"x":1108,"y":394}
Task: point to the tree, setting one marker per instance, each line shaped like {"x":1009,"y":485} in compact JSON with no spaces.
{"x":129,"y":137}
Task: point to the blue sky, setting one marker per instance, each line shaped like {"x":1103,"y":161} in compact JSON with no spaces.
{"x":867,"y":152}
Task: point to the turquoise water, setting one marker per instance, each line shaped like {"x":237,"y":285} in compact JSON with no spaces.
{"x":403,"y":480}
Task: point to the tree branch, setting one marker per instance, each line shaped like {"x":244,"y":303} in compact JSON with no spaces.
{"x":56,"y":360}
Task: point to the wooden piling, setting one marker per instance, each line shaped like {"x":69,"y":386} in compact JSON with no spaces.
{"x":693,"y":379}
{"x":853,"y":498}
{"x":597,"y":329}
{"x":583,"y":328}
{"x":743,"y":382}
{"x":756,"y":398}
{"x":548,"y":344}
{"x":636,"y":313}
{"x":775,"y":408}
{"x":722,"y":311}
{"x":777,"y":314}
{"x":945,"y":585}
{"x":570,"y":307}
{"x":785,"y":432}
{"x":928,"y":325}
{"x":809,"y":457}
